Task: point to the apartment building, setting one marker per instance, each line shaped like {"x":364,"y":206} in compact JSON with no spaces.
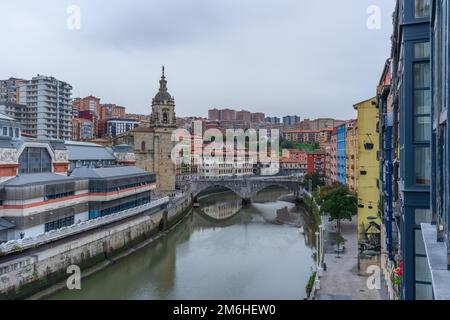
{"x":302,"y":136}
{"x":341,"y":154}
{"x":351,"y":154}
{"x":48,"y":107}
{"x":9,"y":89}
{"x":368,"y":171}
{"x":411,"y":99}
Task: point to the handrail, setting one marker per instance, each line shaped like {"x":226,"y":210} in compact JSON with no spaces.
{"x":53,"y":235}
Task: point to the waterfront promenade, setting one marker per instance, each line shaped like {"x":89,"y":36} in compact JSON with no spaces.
{"x":341,"y":280}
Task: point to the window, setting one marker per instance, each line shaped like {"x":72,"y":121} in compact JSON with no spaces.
{"x":419,"y":243}
{"x":422,"y":9}
{"x":422,"y":111}
{"x":422,"y":128}
{"x":5,"y":131}
{"x":35,"y":160}
{"x":422,"y":50}
{"x":58,"y":224}
{"x":422,"y":216}
{"x":59,"y":195}
{"x":424,"y":291}
{"x":16,"y":132}
{"x":143,"y":146}
{"x":422,"y":166}
{"x":165,"y":117}
{"x":422,"y":269}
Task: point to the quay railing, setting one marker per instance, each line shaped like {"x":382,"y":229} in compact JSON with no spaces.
{"x":54,"y":235}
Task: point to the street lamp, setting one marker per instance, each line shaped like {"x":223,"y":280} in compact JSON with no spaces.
{"x":317,"y":250}
{"x":318,"y":273}
{"x":322,"y":251}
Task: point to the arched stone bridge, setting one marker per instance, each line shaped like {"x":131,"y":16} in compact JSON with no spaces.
{"x":247,"y":188}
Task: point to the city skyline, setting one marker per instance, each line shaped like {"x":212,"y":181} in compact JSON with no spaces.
{"x":259,"y":53}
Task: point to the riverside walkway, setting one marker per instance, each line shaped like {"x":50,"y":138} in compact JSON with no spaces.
{"x":341,"y":280}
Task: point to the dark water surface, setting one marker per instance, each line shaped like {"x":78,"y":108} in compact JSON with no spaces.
{"x":221,"y":251}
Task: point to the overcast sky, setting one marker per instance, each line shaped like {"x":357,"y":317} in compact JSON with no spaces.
{"x":314,"y":58}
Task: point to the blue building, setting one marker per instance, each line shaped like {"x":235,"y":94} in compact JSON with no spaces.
{"x":436,"y":234}
{"x":341,"y":155}
{"x":411,"y":103}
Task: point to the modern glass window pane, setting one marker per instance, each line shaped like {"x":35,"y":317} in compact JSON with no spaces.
{"x":419,"y":245}
{"x":422,"y":75}
{"x":422,"y":101}
{"x":422,"y":216}
{"x":424,"y":291}
{"x":422,"y":166}
{"x":35,"y":160}
{"x":422,"y":50}
{"x":422,"y":128}
{"x":422,"y":8}
{"x":422,"y":269}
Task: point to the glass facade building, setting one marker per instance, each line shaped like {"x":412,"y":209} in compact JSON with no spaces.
{"x":411,"y":102}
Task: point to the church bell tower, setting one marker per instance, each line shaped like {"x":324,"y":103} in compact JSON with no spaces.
{"x":163,"y":122}
{"x":163,"y":106}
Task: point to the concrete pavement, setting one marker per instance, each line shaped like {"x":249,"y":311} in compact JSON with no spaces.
{"x":341,"y":280}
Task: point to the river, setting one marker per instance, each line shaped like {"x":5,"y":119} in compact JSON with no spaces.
{"x":221,"y":251}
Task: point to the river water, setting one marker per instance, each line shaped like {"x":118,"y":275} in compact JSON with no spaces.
{"x":221,"y":251}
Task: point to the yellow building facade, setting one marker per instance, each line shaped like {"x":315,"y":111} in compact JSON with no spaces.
{"x":368,"y":167}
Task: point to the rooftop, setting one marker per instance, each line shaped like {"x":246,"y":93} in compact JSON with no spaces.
{"x":36,"y":178}
{"x":5,"y":117}
{"x":111,"y":172}
{"x":302,"y":131}
{"x":88,"y":151}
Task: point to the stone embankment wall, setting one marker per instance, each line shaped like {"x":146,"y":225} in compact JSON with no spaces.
{"x":39,"y":268}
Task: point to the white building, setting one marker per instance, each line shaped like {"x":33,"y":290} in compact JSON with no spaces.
{"x":219,"y":167}
{"x":48,"y":111}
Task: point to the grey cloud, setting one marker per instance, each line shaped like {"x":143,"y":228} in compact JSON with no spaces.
{"x":309,"y":57}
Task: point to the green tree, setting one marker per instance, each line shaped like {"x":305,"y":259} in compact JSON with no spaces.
{"x":314,"y":181}
{"x":287,"y":145}
{"x":340,"y":204}
{"x":320,"y":195}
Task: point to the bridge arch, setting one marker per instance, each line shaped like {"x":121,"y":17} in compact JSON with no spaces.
{"x":244,"y":188}
{"x":205,"y":186}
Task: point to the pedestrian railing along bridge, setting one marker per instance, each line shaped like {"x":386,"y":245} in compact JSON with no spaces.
{"x":247,"y":188}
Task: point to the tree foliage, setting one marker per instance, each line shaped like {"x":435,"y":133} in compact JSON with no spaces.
{"x":314,"y":181}
{"x":340,"y":204}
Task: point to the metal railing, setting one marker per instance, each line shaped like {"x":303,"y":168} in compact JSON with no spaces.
{"x":26,"y":243}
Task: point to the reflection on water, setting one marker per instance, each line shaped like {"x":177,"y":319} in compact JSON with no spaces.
{"x":223,"y":250}
{"x":222,"y":210}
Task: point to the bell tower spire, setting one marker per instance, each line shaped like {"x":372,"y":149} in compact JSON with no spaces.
{"x":163,"y":105}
